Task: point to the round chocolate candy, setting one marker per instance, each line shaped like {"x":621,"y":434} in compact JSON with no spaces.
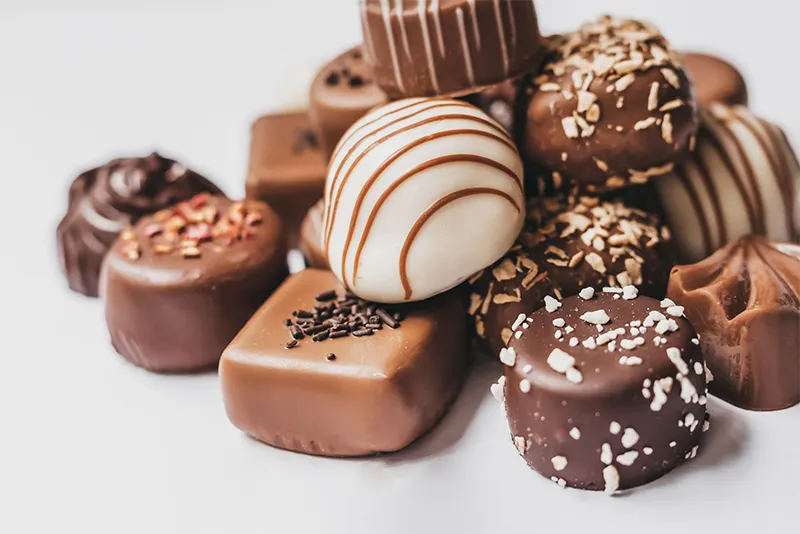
{"x":420,"y":195}
{"x":343,"y":91}
{"x":612,"y":106}
{"x":567,"y":247}
{"x":449,"y":47}
{"x":715,"y":80}
{"x":105,"y":200}
{"x":743,"y":178}
{"x":605,"y":393}
{"x":180,"y":284}
{"x":311,"y":237}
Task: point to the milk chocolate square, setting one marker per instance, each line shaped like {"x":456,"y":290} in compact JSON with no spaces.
{"x":354,"y":395}
{"x":287,"y":169}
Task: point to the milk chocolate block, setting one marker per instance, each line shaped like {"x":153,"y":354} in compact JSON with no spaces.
{"x":319,"y":371}
{"x":715,"y":80}
{"x":605,"y":393}
{"x":611,"y":107}
{"x":449,"y":47}
{"x":105,"y":200}
{"x":568,"y":246}
{"x":745,"y":303}
{"x":287,"y":167}
{"x":180,"y":284}
{"x":743,"y":178}
{"x":343,"y":91}
{"x":311,"y":237}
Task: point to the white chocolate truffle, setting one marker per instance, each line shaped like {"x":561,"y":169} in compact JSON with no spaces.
{"x":420,"y":195}
{"x":742,"y":179}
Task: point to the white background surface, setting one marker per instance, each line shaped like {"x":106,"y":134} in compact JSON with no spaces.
{"x":89,"y":443}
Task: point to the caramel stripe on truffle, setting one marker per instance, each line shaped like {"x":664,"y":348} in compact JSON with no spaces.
{"x":430,"y":212}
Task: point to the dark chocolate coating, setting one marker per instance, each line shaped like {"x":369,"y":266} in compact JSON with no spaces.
{"x":168,"y":312}
{"x":604,"y":121}
{"x":596,"y":422}
{"x":287,"y":168}
{"x":744,"y":301}
{"x":343,"y":92}
{"x":311,"y":238}
{"x":715,"y":80}
{"x":563,"y":249}
{"x":105,"y":200}
{"x":499,"y":102}
{"x":455,"y":47}
{"x":379,"y":394}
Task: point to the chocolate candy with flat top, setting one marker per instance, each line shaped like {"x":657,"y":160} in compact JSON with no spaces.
{"x":320,"y":371}
{"x":287,"y":167}
{"x":105,"y":200}
{"x":605,"y":392}
{"x":180,"y":284}
{"x":744,"y":301}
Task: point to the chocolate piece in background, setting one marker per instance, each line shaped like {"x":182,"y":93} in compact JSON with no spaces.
{"x":499,"y":102}
{"x":377,"y":393}
{"x":744,"y":302}
{"x":715,"y":80}
{"x":287,"y":168}
{"x":611,"y":107}
{"x":105,"y":200}
{"x":449,"y":47}
{"x":311,"y":238}
{"x":606,"y":409}
{"x":421,"y":194}
{"x":181,"y":284}
{"x":566,"y":246}
{"x":743,"y":178}
{"x":343,"y":92}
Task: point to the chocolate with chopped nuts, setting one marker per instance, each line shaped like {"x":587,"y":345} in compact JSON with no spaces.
{"x":605,"y":391}
{"x":569,"y":244}
{"x":611,"y":107}
{"x":343,"y":91}
{"x":367,"y":387}
{"x":181,"y":283}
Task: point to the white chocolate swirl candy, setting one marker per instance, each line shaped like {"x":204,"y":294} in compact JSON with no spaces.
{"x":420,"y":195}
{"x":743,"y":178}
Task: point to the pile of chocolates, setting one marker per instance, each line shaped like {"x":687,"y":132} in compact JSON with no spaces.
{"x":461,"y":180}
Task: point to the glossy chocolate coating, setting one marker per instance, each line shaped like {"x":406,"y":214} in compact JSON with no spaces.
{"x":343,"y":91}
{"x":379,"y":394}
{"x":499,"y":102}
{"x":449,"y":47}
{"x":603,"y":419}
{"x":604,"y":117}
{"x":745,"y":303}
{"x":311,"y":238}
{"x":287,"y":168}
{"x":564,"y":248}
{"x":176,"y":310}
{"x":715,"y":80}
{"x":105,"y":200}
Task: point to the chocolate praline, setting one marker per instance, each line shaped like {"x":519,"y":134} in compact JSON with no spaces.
{"x":607,"y":393}
{"x":180,"y":284}
{"x":311,"y":237}
{"x":304,"y":375}
{"x":611,"y":107}
{"x":744,"y":301}
{"x":105,"y":200}
{"x":715,"y":80}
{"x":568,"y":245}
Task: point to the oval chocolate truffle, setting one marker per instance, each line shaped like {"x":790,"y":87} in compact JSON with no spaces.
{"x":607,"y":393}
{"x":743,"y":178}
{"x":567,"y":247}
{"x":715,"y":80}
{"x":180,"y":284}
{"x":421,"y":194}
{"x":612,"y":106}
{"x":449,"y":47}
{"x":744,"y":301}
{"x":343,"y":91}
{"x":105,"y":200}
